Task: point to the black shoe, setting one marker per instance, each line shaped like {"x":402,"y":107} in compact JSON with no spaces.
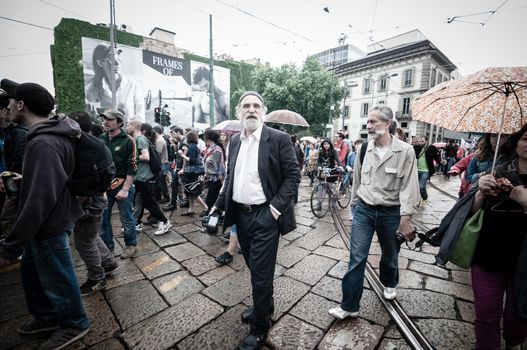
{"x":170,"y":207}
{"x":90,"y":286}
{"x":36,"y":326}
{"x":203,"y":213}
{"x":252,"y":342}
{"x":63,"y":337}
{"x":224,"y":258}
{"x":246,"y":314}
{"x":164,"y":200}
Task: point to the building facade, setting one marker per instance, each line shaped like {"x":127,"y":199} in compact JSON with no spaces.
{"x":393,"y":73}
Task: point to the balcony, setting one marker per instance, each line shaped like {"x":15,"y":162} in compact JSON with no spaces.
{"x":400,"y":116}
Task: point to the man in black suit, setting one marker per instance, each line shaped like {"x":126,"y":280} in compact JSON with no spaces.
{"x":257,"y":196}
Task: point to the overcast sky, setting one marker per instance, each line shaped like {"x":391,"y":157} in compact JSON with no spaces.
{"x":276,"y":31}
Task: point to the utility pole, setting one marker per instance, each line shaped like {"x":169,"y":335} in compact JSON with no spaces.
{"x":212,"y":109}
{"x":112,"y":53}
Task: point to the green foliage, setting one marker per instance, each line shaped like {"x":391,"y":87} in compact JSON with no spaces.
{"x":309,"y":91}
{"x":241,"y":80}
{"x":66,"y":59}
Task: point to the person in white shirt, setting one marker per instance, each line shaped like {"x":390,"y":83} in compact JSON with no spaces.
{"x":257,"y":196}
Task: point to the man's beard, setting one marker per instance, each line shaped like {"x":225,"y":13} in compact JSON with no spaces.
{"x":376,"y":134}
{"x":252,"y":123}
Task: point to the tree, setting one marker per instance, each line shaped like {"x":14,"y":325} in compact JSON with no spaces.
{"x":310,"y":91}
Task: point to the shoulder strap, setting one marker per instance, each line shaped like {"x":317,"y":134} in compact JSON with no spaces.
{"x":363,"y":149}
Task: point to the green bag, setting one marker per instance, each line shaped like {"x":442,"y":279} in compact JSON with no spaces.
{"x":463,"y":250}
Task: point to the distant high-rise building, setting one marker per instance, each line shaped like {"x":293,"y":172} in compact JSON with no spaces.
{"x":336,"y":56}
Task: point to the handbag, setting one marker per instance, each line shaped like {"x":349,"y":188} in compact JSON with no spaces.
{"x":467,"y":240}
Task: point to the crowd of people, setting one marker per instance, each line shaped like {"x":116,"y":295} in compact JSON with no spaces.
{"x":255,"y":197}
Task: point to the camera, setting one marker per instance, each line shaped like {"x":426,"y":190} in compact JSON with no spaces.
{"x":211,"y":223}
{"x":399,"y":237}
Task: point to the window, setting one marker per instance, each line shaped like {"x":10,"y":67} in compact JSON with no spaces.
{"x":407,"y":78}
{"x":380,"y":102}
{"x":363,"y":126}
{"x":404,"y":124}
{"x":433,"y":77}
{"x":406,"y":105}
{"x":364,"y":136}
{"x":439,"y":77}
{"x":383,"y":83}
{"x":346,"y":111}
{"x":365,"y":107}
{"x":366,"y":86}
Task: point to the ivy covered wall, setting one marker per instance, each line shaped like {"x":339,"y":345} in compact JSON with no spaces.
{"x":66,"y":58}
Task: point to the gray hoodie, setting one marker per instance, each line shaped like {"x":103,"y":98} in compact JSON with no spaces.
{"x":46,"y":206}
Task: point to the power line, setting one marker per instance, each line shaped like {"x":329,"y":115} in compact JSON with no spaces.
{"x":63,"y":9}
{"x":264,"y":20}
{"x":26,"y":23}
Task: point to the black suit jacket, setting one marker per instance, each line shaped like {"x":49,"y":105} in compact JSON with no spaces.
{"x":279,"y":175}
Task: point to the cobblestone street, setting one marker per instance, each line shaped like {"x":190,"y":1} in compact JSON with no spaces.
{"x":172,"y":294}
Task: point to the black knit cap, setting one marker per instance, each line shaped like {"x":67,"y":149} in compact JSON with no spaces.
{"x":36,"y":98}
{"x":248,"y":93}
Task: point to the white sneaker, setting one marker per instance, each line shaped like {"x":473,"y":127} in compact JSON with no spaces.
{"x":163,"y":228}
{"x":390,"y":293}
{"x":139,"y":227}
{"x":337,"y":312}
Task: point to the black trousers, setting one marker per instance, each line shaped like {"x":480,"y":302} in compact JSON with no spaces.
{"x":174,"y":185}
{"x":258,"y":235}
{"x":145,"y":189}
{"x":213,"y":191}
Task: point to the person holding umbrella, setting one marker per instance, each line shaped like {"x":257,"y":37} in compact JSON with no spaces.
{"x":483,"y":157}
{"x":499,"y":265}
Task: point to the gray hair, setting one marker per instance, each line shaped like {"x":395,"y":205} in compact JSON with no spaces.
{"x":385,"y":112}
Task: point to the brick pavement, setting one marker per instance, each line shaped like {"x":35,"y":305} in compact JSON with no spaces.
{"x":173,"y":295}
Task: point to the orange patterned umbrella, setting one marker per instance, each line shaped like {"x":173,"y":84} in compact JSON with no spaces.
{"x":478,"y":102}
{"x":493,"y":100}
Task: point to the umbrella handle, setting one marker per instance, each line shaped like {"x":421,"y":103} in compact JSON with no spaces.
{"x":499,"y":135}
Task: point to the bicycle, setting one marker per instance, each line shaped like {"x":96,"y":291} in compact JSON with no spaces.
{"x":325,"y":194}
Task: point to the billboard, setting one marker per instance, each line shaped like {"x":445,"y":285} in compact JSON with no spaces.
{"x":146,"y":80}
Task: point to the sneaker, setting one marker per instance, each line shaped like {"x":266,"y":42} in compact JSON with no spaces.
{"x":91,"y":286}
{"x":63,"y":337}
{"x":224,"y":258}
{"x":423,"y":202}
{"x":389,"y":293}
{"x":337,"y":312}
{"x":36,"y":326}
{"x":164,"y":200}
{"x":139,"y":227}
{"x":128,"y":252}
{"x":163,"y":228}
{"x":111,"y":268}
{"x":225,"y":237}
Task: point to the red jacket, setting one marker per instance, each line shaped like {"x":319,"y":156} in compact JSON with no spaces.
{"x":342,"y":150}
{"x":459,"y":169}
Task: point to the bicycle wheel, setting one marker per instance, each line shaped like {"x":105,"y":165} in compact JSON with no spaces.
{"x":344,"y":196}
{"x":320,"y":200}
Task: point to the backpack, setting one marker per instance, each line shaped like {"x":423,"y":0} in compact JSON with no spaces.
{"x":94,"y":167}
{"x":155,"y":159}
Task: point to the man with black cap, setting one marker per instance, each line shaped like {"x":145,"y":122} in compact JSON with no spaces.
{"x":122,"y":188}
{"x":257,"y":196}
{"x":46,"y":214}
{"x":14,"y":144}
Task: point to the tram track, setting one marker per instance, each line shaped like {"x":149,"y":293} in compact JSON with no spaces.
{"x":414,"y":337}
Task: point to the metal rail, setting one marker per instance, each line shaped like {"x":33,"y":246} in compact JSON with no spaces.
{"x":408,"y":329}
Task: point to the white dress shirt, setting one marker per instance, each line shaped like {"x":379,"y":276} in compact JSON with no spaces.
{"x":247,"y":185}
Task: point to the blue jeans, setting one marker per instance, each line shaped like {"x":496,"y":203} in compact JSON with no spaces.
{"x":50,"y":284}
{"x":366,"y":221}
{"x":127,"y":219}
{"x":423,"y":177}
